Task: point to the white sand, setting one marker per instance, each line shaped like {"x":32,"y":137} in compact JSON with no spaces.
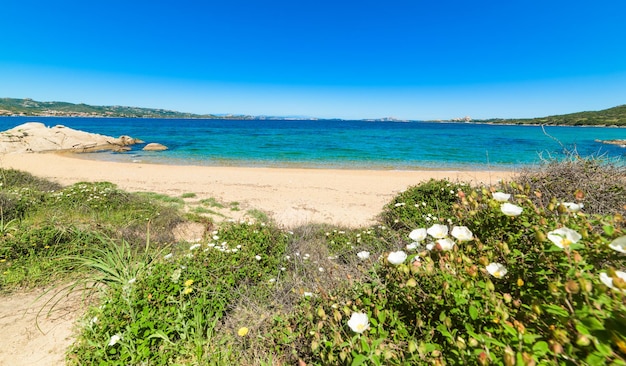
{"x":291,"y":197}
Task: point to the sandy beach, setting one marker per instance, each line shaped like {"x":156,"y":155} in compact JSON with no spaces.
{"x":291,"y":197}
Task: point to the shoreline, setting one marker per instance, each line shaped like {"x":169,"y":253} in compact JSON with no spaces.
{"x":289,"y":196}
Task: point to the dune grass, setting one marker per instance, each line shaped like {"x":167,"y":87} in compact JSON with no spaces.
{"x":452,"y":274}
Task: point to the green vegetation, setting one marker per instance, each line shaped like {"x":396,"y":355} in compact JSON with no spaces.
{"x":528,"y":272}
{"x":29,"y":107}
{"x":615,"y":116}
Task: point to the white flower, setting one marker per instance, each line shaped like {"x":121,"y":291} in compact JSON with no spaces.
{"x":418,"y":235}
{"x":564,"y":237}
{"x":114,"y":339}
{"x":510,"y":209}
{"x":497,"y":270}
{"x":414,"y":245}
{"x":573,"y":207}
{"x":132,"y":280}
{"x":501,"y":196}
{"x":462,"y":233}
{"x":363,"y":255}
{"x":396,"y":257}
{"x":307,"y":294}
{"x":438,"y":231}
{"x":272,"y":280}
{"x":168,"y":256}
{"x":608,"y":281}
{"x":194,"y":247}
{"x":445,"y":244}
{"x":321,"y":269}
{"x":359,"y":322}
{"x":257,"y":257}
{"x":619,"y":244}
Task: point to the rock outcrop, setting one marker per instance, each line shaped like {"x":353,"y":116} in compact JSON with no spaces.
{"x":36,"y":137}
{"x":620,"y":143}
{"x":153,"y":146}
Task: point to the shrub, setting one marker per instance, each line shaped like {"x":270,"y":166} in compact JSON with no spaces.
{"x":508,"y":295}
{"x":168,"y":313}
{"x":420,"y":205}
{"x":12,"y":178}
{"x":598,"y":183}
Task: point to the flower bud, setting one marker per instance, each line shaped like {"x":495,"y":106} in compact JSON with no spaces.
{"x":528,"y":359}
{"x":411,"y":282}
{"x":509,"y":356}
{"x":473,"y":342}
{"x":489,"y":285}
{"x":483,"y":359}
{"x":412,"y":346}
{"x":553,"y":287}
{"x":585,"y":285}
{"x":540,"y":236}
{"x":571,"y":287}
{"x":556,"y":348}
{"x":583,"y":341}
{"x":460,"y":343}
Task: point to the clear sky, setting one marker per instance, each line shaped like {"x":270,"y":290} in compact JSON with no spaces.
{"x":411,"y":59}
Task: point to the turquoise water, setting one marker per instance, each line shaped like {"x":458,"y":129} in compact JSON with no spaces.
{"x":341,"y":144}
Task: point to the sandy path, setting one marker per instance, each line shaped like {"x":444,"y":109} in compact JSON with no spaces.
{"x":290,"y":196}
{"x":25,"y":344}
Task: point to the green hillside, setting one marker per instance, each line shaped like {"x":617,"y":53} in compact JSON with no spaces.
{"x":29,"y":107}
{"x":615,"y":116}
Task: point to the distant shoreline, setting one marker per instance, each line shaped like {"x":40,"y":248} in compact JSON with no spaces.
{"x":253,"y":118}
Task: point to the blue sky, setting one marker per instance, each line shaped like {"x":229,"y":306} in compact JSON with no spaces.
{"x":346,"y":59}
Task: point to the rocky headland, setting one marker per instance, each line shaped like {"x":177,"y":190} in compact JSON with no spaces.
{"x":36,"y":137}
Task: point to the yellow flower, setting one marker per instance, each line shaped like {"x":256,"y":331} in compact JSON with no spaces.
{"x":188,"y":283}
{"x":243,"y":331}
{"x":187,"y":290}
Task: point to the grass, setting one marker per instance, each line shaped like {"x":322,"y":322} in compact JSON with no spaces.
{"x":211,"y":202}
{"x":250,"y":293}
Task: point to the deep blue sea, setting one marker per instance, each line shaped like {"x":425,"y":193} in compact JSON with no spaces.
{"x":341,"y":144}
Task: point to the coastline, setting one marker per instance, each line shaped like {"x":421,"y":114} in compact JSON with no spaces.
{"x":289,"y":196}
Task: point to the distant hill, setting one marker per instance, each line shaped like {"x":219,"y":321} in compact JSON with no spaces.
{"x":615,"y":116}
{"x":29,"y":107}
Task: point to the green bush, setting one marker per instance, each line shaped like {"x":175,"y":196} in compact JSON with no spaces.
{"x":12,"y":178}
{"x":168,"y":313}
{"x":543,"y":304}
{"x":421,"y":205}
{"x":598,"y":183}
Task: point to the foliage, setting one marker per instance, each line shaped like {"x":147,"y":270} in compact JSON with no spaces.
{"x":40,"y":220}
{"x":615,"y":116}
{"x":420,"y":205}
{"x":29,"y":107}
{"x":597,"y":183}
{"x":167,"y":312}
{"x":454,"y":274}
{"x":444,"y":307}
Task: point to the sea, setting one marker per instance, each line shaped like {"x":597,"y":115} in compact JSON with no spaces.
{"x":341,"y":144}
